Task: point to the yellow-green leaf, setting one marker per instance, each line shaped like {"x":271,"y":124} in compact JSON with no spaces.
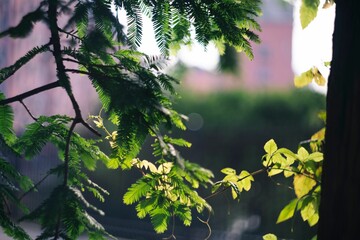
{"x":270,"y":147}
{"x":288,"y":172}
{"x":303,"y":185}
{"x":274,"y":171}
{"x":313,"y":220}
{"x":278,"y":158}
{"x":318,"y":77}
{"x":304,"y":79}
{"x":228,"y":171}
{"x":113,"y":163}
{"x":288,"y":211}
{"x":302,"y":154}
{"x":246,"y":179}
{"x":308,"y":211}
{"x":320,"y":135}
{"x":316,"y":156}
{"x":308,"y":11}
{"x":270,"y":236}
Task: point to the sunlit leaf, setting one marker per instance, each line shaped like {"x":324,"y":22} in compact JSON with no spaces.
{"x":288,"y":211}
{"x":316,"y":156}
{"x":270,"y":236}
{"x":228,"y":171}
{"x":302,"y":154}
{"x":270,"y":147}
{"x":246,"y":180}
{"x":304,"y":79}
{"x":303,"y":185}
{"x":308,"y":11}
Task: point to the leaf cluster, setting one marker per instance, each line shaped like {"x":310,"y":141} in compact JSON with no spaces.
{"x":136,"y":96}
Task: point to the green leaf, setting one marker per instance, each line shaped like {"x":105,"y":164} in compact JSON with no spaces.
{"x":269,"y":236}
{"x":308,"y":11}
{"x":302,"y":154}
{"x":246,"y":180}
{"x":136,"y":191}
{"x":288,"y":211}
{"x":270,"y":147}
{"x":184,"y":214}
{"x":159,"y":219}
{"x":6,"y":72}
{"x":228,"y":171}
{"x":113,"y":163}
{"x":6,"y":121}
{"x":316,"y":156}
{"x":304,"y":79}
{"x":308,"y":211}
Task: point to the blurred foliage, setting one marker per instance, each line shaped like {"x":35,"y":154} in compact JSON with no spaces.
{"x":235,"y":126}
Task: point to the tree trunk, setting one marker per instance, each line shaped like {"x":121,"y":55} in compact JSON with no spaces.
{"x":340,"y":197}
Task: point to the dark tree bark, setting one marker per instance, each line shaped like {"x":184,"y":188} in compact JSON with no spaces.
{"x":340,"y":199}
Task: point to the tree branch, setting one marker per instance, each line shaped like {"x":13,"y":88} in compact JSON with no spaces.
{"x":30,"y":93}
{"x":28,"y":110}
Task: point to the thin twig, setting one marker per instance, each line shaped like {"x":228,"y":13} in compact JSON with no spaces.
{"x":69,"y":33}
{"x":28,"y":111}
{"x":228,"y":187}
{"x":207,"y":224}
{"x":91,"y":129}
{"x":35,"y":186}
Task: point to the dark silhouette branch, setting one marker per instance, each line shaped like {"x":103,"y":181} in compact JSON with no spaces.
{"x":28,"y":111}
{"x":30,"y":93}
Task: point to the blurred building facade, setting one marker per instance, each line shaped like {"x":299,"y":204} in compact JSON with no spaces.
{"x":38,"y":72}
{"x":271,"y":67}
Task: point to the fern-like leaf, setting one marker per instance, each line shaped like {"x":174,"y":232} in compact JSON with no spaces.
{"x":137,"y":190}
{"x":6,"y":121}
{"x":6,"y":72}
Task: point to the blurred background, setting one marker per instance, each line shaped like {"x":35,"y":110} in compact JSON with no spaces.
{"x":234,"y":106}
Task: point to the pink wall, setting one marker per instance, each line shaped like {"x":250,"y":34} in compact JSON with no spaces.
{"x":271,"y":66}
{"x":40,"y":71}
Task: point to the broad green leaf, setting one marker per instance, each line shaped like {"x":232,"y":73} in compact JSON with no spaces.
{"x":246,"y":180}
{"x":288,"y":172}
{"x":302,"y":154}
{"x":308,"y":11}
{"x":308,"y":211}
{"x":269,"y":236}
{"x":270,"y":147}
{"x":228,"y":171}
{"x":286,"y":152}
{"x":313,"y":220}
{"x":303,"y":185}
{"x":231,"y":178}
{"x":274,"y":171}
{"x":278,"y":158}
{"x":288,"y":211}
{"x":316,"y":156}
